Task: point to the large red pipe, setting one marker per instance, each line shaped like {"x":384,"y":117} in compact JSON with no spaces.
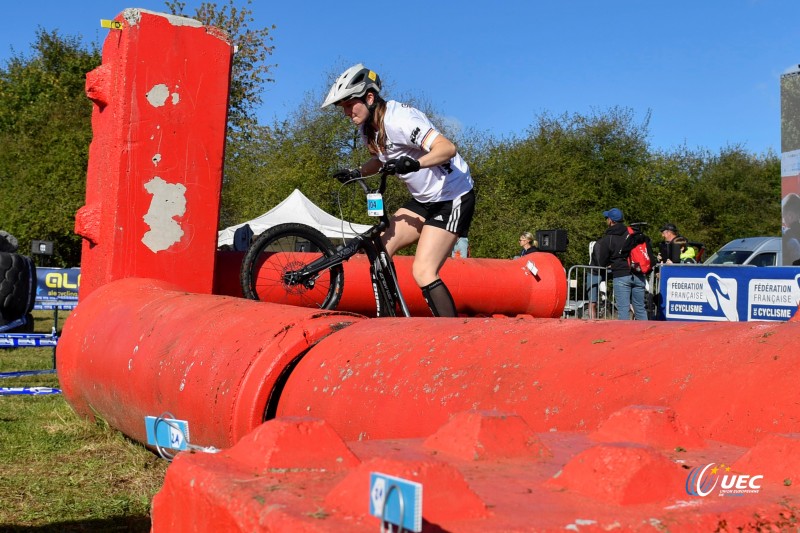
{"x":396,"y":379}
{"x":136,"y":348}
{"x":479,"y":286}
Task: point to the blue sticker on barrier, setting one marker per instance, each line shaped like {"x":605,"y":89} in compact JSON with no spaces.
{"x":167,"y":432}
{"x":396,"y":501}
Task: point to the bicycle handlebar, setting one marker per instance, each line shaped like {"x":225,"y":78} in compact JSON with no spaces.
{"x":385,"y":171}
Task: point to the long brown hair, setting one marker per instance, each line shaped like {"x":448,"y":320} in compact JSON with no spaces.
{"x":374,"y":129}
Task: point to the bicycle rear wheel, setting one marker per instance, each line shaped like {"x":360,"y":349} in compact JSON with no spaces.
{"x":287,"y":248}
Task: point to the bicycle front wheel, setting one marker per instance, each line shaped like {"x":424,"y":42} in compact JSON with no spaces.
{"x":287,"y":248}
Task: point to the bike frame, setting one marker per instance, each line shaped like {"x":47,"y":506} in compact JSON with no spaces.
{"x":382,"y":269}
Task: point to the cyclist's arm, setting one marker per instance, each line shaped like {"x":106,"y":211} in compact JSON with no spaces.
{"x":371,"y":166}
{"x":442,"y":151}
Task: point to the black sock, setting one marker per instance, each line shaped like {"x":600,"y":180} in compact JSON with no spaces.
{"x":439,"y":299}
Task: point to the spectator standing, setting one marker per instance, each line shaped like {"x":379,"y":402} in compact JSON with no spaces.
{"x":610,"y":251}
{"x":528,"y":243}
{"x":669,"y":232}
{"x":687,"y":253}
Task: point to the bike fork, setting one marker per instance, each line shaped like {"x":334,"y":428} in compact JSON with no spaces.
{"x":384,"y":265}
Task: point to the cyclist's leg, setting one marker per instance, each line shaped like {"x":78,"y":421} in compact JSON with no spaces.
{"x":404,"y":229}
{"x":433,"y":248}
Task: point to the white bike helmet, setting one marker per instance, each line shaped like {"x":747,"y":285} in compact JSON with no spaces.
{"x":353,"y":83}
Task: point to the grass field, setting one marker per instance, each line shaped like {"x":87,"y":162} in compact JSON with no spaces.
{"x":59,"y":472}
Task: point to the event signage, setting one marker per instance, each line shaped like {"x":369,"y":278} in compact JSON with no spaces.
{"x":57,"y":285}
{"x":729,"y":293}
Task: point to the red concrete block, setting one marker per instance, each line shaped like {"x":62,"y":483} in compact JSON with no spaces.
{"x":776,"y":457}
{"x":481,"y":435}
{"x":446,"y":496}
{"x":284,"y":443}
{"x":155,"y":162}
{"x":658,"y":427}
{"x":623,"y":474}
{"x":205,"y":492}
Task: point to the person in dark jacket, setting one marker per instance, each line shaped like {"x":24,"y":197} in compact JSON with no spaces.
{"x":609,"y":252}
{"x":669,"y":232}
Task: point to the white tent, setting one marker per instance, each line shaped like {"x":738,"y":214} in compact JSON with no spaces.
{"x":297,"y":208}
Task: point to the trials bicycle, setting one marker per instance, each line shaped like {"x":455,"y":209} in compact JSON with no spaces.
{"x":298,"y":265}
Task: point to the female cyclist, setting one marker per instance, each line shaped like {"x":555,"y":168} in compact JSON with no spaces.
{"x":438,"y":179}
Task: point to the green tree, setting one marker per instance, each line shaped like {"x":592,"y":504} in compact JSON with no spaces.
{"x":250,"y":71}
{"x":45,"y":131}
{"x":563,"y":174}
{"x":736,"y":194}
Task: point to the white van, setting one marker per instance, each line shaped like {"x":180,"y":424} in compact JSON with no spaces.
{"x":754,"y":251}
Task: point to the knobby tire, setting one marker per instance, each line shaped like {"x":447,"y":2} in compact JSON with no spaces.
{"x":290,"y":247}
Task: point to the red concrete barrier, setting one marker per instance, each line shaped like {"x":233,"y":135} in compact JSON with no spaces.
{"x":479,"y":286}
{"x":404,"y":378}
{"x":136,"y":348}
{"x":155,"y":163}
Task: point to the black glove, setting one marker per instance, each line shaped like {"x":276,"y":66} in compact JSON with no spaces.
{"x":347,"y":174}
{"x":401,"y":165}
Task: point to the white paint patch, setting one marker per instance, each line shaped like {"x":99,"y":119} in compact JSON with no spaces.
{"x":156,"y":159}
{"x":175,"y":98}
{"x":157,"y":96}
{"x":134,"y":16}
{"x":680,"y":504}
{"x":578,"y":523}
{"x":169,"y":201}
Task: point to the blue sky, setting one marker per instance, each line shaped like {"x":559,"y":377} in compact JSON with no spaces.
{"x":707,"y":71}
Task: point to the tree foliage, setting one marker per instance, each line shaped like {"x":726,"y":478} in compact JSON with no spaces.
{"x":250,"y":70}
{"x":45,"y":130}
{"x":563,"y":172}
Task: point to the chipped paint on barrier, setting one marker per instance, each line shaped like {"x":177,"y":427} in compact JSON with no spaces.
{"x":169,"y":201}
{"x":158,"y":94}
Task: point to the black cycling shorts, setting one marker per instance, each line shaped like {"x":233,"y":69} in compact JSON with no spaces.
{"x":454,"y":216}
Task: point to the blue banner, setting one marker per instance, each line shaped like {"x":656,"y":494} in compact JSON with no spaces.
{"x":729,"y":293}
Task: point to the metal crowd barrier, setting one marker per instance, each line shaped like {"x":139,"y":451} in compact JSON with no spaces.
{"x":35,"y":340}
{"x":587,"y":285}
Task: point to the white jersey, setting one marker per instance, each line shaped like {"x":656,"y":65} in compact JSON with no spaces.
{"x":410,"y":133}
